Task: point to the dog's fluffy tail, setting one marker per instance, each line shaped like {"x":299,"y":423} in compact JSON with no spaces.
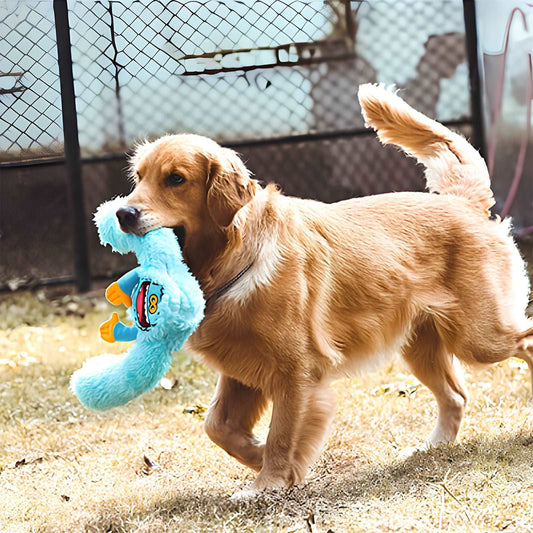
{"x":453,"y":166}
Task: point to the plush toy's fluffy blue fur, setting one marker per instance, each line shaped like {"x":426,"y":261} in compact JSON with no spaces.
{"x":109,"y":380}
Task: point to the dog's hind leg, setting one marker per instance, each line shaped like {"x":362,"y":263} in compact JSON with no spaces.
{"x":437,"y":368}
{"x":234,"y":410}
{"x":528,"y":358}
{"x":495,"y":340}
{"x":525,"y":351}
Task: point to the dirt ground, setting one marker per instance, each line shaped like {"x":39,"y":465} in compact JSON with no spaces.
{"x":149,"y":467}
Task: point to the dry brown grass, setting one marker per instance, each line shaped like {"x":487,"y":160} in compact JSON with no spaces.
{"x":66,"y":469}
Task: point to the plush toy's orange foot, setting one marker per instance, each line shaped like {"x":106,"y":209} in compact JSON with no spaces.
{"x":116,"y":295}
{"x":106,"y":329}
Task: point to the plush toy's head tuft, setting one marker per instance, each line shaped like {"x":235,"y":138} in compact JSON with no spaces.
{"x":109,"y":230}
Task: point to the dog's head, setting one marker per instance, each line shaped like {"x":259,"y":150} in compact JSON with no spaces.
{"x":185,"y":181}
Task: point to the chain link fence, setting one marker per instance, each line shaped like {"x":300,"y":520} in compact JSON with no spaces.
{"x":30,"y":100}
{"x":277,"y":80}
{"x":233,"y":71}
{"x":237,"y":71}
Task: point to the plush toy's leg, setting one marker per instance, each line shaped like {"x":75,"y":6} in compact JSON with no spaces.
{"x":110,"y":380}
{"x":112,"y":330}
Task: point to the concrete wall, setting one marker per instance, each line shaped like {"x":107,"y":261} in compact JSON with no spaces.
{"x":36,"y":241}
{"x":35,"y":231}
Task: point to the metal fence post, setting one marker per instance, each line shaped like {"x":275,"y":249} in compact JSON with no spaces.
{"x":476,"y":95}
{"x":72,"y":146}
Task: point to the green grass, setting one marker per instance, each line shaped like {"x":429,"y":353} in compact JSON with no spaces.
{"x":149,"y":467}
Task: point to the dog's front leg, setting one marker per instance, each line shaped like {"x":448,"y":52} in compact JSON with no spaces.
{"x":234,"y":410}
{"x":301,"y":417}
{"x":279,"y":470}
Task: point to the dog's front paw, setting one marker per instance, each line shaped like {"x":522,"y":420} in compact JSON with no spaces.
{"x":246,"y":494}
{"x":408,"y":452}
{"x":262,"y":486}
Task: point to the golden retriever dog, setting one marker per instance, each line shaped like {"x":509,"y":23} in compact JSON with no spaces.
{"x":300,"y":293}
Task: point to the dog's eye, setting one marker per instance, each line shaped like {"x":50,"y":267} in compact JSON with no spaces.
{"x":173,"y":180}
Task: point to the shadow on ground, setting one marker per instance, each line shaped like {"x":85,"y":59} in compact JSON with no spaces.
{"x":332,"y":492}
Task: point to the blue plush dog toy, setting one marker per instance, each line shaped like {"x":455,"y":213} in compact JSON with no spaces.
{"x":165,"y":303}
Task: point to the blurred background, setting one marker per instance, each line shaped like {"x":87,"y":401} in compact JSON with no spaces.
{"x":81,"y":82}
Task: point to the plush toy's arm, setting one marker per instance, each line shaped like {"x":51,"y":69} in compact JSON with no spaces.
{"x":125,"y":333}
{"x":113,"y":330}
{"x":119,"y":292}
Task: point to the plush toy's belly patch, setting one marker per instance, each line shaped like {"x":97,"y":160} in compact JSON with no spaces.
{"x":147,"y":302}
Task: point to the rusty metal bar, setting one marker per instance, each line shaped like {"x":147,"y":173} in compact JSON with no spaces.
{"x":476,"y":94}
{"x":72,"y":147}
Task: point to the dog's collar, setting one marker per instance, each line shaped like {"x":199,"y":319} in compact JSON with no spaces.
{"x":223,"y":288}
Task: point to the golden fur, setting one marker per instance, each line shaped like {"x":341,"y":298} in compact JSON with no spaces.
{"x":334,"y":289}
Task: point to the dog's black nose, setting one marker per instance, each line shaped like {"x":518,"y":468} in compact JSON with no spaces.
{"x":128,"y":218}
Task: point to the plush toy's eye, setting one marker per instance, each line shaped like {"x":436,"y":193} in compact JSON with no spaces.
{"x":173,"y":180}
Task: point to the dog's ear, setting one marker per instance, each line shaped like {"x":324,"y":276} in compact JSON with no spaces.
{"x":229,"y":186}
